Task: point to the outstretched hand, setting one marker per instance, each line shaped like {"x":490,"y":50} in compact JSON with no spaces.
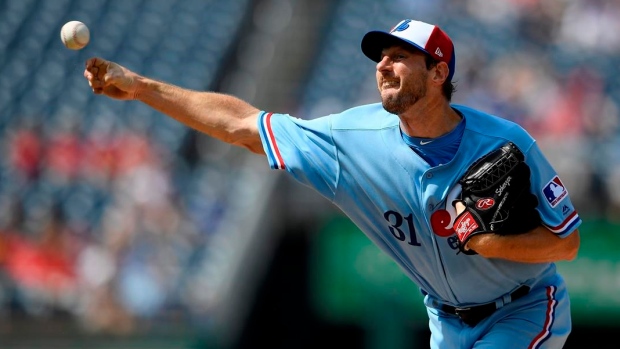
{"x":110,"y":79}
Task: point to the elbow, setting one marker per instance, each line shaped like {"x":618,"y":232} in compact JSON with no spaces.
{"x":249,"y":144}
{"x":256,"y":148}
{"x":249,"y":140}
{"x":245,"y":134}
{"x":571,"y":255}
{"x":572,"y":246}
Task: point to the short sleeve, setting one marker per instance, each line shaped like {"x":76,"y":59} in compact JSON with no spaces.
{"x":556,"y":209}
{"x":304,"y":148}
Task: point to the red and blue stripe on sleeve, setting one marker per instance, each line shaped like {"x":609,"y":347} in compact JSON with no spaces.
{"x":567,"y":225}
{"x":271,"y":147}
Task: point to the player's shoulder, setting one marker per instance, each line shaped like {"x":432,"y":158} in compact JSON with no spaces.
{"x":480,"y":120}
{"x":489,"y":125}
{"x":364,"y":117}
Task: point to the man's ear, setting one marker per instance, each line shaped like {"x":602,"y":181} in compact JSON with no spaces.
{"x":441,"y":72}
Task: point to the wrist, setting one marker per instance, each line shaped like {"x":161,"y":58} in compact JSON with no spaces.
{"x":140,"y":86}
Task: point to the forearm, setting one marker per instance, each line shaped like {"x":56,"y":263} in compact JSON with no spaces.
{"x":537,"y":246}
{"x":221,"y":116}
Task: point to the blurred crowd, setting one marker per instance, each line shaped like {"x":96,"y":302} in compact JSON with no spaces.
{"x":560,"y":82}
{"x":109,"y":225}
{"x":92,"y":228}
{"x":550,"y":65}
{"x":109,"y":218}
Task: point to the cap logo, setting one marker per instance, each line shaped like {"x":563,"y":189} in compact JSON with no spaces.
{"x":438,"y":52}
{"x":402,"y":26}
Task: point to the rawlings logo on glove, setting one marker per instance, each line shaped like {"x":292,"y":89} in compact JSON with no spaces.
{"x":465,"y":225}
{"x":497,"y":198}
{"x":485,"y":204}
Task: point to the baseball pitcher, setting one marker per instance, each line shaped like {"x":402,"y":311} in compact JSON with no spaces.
{"x":465,"y":202}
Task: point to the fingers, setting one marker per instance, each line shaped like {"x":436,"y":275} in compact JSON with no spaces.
{"x":93,"y":65}
{"x":101,"y":72}
{"x":459,"y":206}
{"x":95,"y":72}
{"x":96,"y":62}
{"x":108,"y":78}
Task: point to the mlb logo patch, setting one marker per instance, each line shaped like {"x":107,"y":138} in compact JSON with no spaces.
{"x":554,"y":191}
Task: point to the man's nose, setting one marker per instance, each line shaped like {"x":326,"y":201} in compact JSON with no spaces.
{"x":384,"y":63}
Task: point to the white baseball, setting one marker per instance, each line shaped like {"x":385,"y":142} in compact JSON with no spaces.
{"x":75,"y":35}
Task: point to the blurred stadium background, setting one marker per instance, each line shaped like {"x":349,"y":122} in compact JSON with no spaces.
{"x":120,"y":228}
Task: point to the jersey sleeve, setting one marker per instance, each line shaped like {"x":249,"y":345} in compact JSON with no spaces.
{"x":303,"y":148}
{"x":556,"y":209}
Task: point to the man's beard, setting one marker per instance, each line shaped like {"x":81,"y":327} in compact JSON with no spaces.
{"x":401,"y":101}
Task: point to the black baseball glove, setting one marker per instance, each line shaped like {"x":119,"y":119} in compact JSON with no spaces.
{"x":496,"y":194}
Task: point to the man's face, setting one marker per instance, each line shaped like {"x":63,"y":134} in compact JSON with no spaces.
{"x":401,"y":78}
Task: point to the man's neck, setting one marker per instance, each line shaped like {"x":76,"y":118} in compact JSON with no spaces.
{"x":429,"y":120}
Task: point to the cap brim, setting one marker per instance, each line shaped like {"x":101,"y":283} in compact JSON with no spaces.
{"x":374,"y":42}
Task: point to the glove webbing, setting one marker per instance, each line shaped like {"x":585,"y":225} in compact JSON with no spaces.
{"x":491,"y":174}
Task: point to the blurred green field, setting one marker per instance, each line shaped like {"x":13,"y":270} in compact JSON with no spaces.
{"x":354,"y":280}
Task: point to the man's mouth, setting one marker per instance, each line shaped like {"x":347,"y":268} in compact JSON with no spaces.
{"x":390,"y":84}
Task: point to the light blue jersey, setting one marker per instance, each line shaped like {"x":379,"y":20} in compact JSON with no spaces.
{"x":359,"y":161}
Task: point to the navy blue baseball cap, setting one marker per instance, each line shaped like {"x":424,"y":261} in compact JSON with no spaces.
{"x":425,"y":37}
